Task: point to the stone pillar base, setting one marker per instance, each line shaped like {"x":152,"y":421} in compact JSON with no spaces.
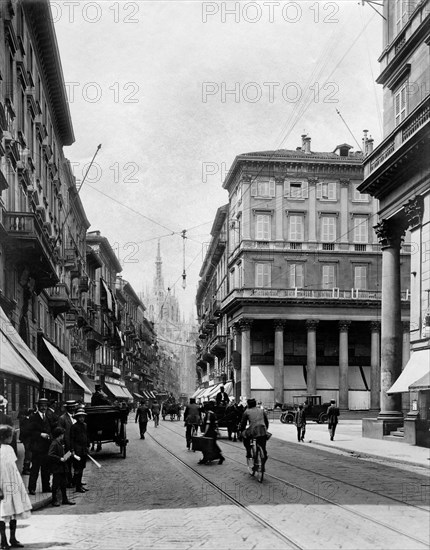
{"x":377,"y":428}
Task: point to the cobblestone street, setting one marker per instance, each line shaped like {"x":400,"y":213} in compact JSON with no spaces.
{"x":152,"y":500}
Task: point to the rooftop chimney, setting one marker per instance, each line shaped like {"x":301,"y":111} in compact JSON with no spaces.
{"x":306,"y":143}
{"x":369,"y":146}
{"x":364,"y":141}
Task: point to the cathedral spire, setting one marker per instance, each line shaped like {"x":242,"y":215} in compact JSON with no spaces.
{"x":158,"y":279}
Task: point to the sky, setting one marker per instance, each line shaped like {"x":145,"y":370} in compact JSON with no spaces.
{"x":174,"y":90}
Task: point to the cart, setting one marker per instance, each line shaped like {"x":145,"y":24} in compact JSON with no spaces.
{"x":107,"y":424}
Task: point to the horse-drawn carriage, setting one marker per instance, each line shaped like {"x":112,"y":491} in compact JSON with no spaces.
{"x":107,"y":424}
{"x":171,"y":409}
{"x":228,"y":417}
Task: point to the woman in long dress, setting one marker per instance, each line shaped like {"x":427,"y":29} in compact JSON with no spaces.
{"x":14,"y":501}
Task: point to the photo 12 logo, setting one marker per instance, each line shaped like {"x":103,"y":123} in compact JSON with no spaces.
{"x":269,"y":92}
{"x":269,"y":12}
{"x":93,"y":92}
{"x":93,"y":12}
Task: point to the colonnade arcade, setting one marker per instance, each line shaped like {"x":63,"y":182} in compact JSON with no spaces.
{"x":312,"y":343}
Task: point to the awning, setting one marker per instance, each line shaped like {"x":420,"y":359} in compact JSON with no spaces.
{"x":127,"y":394}
{"x":108,"y":295}
{"x":228,"y":388}
{"x":213,"y":391}
{"x":421,"y":384}
{"x":11,"y":363}
{"x":115,"y":390}
{"x":146,"y":394}
{"x":25,"y":355}
{"x":138,"y":395}
{"x":151,"y":394}
{"x":65,"y":364}
{"x":416,"y":368}
{"x":91,"y":385}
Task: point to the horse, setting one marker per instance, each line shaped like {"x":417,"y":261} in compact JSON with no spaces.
{"x":229,"y":417}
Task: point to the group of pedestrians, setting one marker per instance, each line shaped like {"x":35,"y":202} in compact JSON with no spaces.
{"x":332,"y":420}
{"x":55,"y":444}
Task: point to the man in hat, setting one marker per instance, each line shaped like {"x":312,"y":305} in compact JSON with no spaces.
{"x":221,"y":397}
{"x":300,"y":422}
{"x":79,"y":447}
{"x":66,"y":422}
{"x":333,"y":418}
{"x":40,"y":430}
{"x":98,"y":398}
{"x":257,"y":429}
{"x":143,"y":413}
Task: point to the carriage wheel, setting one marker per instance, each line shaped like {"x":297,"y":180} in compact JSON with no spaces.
{"x":123,"y":445}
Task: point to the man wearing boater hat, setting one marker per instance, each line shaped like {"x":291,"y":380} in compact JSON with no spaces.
{"x":79,"y":443}
{"x":40,"y":433}
{"x":66,"y":422}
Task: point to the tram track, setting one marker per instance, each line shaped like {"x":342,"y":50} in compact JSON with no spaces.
{"x":316,"y":496}
{"x":257,"y":517}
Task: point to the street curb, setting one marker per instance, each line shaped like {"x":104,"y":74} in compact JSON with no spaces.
{"x":358,"y":454}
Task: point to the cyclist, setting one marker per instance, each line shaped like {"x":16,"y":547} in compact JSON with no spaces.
{"x":257,"y":429}
{"x":155,"y":409}
{"x":192,"y":420}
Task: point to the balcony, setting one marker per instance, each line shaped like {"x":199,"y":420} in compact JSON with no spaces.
{"x":218,"y":345}
{"x":29,"y":243}
{"x":110,"y":370}
{"x":59,"y":300}
{"x":81,"y":360}
{"x":401,"y":154}
{"x":296,"y":296}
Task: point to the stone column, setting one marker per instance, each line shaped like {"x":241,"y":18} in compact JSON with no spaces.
{"x":245,"y":371}
{"x":375,"y":366}
{"x":343,"y":364}
{"x":311,"y":325}
{"x":390,"y":234}
{"x":279,"y":362}
{"x":406,"y":349}
{"x":235,"y":330}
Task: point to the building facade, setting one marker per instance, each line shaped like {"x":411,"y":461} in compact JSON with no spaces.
{"x":296,"y":289}
{"x":397,"y":174}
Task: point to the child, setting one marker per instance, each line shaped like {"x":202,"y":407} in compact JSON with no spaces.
{"x":14,"y":501}
{"x":58,"y":467}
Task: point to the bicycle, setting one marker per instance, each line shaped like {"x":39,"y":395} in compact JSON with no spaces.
{"x":256,"y":464}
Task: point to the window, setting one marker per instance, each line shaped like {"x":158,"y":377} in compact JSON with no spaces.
{"x":401,"y":14}
{"x":400,"y":103}
{"x":262,"y":227}
{"x":360,"y":229}
{"x":327,"y":191}
{"x":262,"y":275}
{"x":295,"y":231}
{"x":328,"y":229}
{"x":295,"y":276}
{"x":328,"y":276}
{"x":296,"y":189}
{"x":360,"y":277}
{"x":232,"y":279}
{"x":263,"y":188}
{"x":362,"y":197}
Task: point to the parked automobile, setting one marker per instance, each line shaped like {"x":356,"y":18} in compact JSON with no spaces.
{"x":315,"y":410}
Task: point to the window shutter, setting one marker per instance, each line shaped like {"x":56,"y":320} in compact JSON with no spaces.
{"x":286,"y":188}
{"x":266,"y":275}
{"x":272,"y":186}
{"x":254,"y":189}
{"x":305,"y":192}
{"x":332,"y":191}
{"x":319,"y":190}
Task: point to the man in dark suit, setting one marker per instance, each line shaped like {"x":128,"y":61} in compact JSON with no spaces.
{"x":98,"y":398}
{"x":143,"y":413}
{"x":333,"y":418}
{"x":52,"y":414}
{"x":221,"y":397}
{"x":66,"y":422}
{"x":40,"y":430}
{"x":79,"y":443}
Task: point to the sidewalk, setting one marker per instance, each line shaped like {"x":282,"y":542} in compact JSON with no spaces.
{"x":39,"y":500}
{"x":348,"y":439}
